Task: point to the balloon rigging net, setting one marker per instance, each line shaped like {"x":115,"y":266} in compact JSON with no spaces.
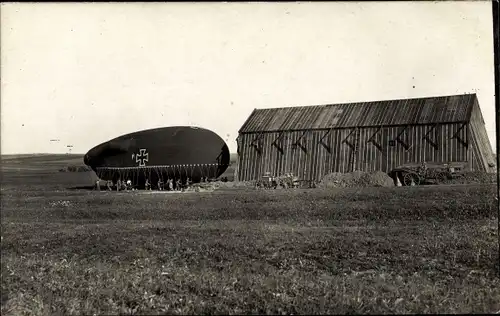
{"x":159,"y":172}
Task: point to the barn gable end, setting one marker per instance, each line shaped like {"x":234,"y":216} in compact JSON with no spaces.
{"x":482,"y":154}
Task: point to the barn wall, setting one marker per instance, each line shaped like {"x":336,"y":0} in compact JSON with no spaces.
{"x":374,"y":151}
{"x":481,"y":149}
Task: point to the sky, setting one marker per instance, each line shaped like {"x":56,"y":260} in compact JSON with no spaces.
{"x":84,"y":73}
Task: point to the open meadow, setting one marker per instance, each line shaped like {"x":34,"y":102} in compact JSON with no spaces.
{"x":428,"y":249}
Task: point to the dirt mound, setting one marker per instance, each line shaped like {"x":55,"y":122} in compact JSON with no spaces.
{"x":474,"y":177}
{"x":234,"y":184}
{"x":356,"y":179}
{"x":201,"y":187}
{"x":211,"y":186}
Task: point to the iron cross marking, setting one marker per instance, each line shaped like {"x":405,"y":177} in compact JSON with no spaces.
{"x":142,"y":157}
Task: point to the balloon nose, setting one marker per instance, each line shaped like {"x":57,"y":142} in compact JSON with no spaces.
{"x":86,"y":159}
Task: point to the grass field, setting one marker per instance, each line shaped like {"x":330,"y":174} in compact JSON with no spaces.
{"x":342,"y":251}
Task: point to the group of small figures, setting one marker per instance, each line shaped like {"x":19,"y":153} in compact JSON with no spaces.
{"x":279,"y":182}
{"x":168,"y":185}
{"x":119,"y":186}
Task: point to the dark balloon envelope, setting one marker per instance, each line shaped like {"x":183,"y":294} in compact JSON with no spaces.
{"x":177,"y":152}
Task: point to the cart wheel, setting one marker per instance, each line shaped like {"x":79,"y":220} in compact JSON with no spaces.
{"x":409,"y":177}
{"x":441,"y":177}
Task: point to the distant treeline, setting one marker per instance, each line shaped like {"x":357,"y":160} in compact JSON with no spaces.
{"x":75,"y":169}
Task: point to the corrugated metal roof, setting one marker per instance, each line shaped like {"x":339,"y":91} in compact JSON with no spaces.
{"x":453,"y":108}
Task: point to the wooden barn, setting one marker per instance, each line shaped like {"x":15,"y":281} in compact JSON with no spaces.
{"x":312,"y":141}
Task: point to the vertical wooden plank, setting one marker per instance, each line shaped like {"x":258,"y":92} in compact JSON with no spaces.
{"x":444,"y":141}
{"x":327,"y":155}
{"x":469,"y":151}
{"x":310,"y":155}
{"x":323,"y":155}
{"x":397,"y":147}
{"x":451,"y":144}
{"x":417,"y":143}
{"x":420,"y":142}
{"x":279,"y":158}
{"x":282,"y":155}
{"x":379,"y":154}
{"x":252,"y":161}
{"x":255,"y":158}
{"x":289,"y":152}
{"x":298,"y":158}
{"x":292,"y":153}
{"x":424,"y":149}
{"x":252,"y":172}
{"x":362,"y":151}
{"x":345,"y":154}
{"x":269,"y":164}
{"x":342,"y":151}
{"x":240,"y":159}
{"x":336,"y":148}
{"x":305,"y":158}
{"x":262,"y":159}
{"x":464,"y":151}
{"x":390,"y":149}
{"x":246,"y":158}
{"x":368,"y":151}
{"x":333,"y":154}
{"x":454,"y":148}
{"x":273,"y":154}
{"x":271,"y":158}
{"x":243,"y":158}
{"x":314,"y":155}
{"x":332,"y":144}
{"x":298,"y":155}
{"x":286,"y":149}
{"x":433,"y":153}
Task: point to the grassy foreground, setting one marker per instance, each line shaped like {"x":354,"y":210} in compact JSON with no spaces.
{"x":342,"y":251}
